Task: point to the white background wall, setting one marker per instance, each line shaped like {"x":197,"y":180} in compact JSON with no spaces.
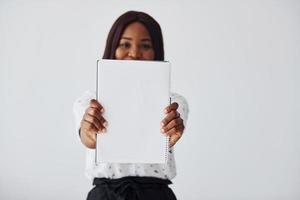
{"x":236,"y":62}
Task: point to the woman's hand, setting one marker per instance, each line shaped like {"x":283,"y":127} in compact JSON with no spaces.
{"x":92,"y":123}
{"x":172,"y":124}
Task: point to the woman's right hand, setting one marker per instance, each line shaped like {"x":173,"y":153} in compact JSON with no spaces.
{"x":92,"y":123}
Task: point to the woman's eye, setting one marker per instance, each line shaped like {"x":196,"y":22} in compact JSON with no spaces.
{"x":146,"y":46}
{"x":124,"y":45}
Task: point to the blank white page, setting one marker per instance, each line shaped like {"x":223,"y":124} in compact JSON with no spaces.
{"x":134,"y":95}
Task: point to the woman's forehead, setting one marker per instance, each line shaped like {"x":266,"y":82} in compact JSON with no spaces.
{"x":136,"y":29}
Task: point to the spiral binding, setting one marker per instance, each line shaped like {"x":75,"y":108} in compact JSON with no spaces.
{"x":97,"y":63}
{"x":167,"y":143}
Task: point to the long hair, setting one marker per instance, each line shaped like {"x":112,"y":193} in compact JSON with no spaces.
{"x":122,"y":22}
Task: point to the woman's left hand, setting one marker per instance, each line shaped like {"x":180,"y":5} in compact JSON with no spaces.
{"x":172,"y":124}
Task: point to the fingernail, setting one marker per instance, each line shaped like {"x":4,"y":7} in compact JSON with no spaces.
{"x":104,"y":130}
{"x":162,"y":123}
{"x":162,"y":130}
{"x":166,"y":111}
{"x":105,"y":124}
{"x":102,"y":110}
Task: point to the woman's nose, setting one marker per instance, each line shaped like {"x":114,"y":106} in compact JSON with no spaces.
{"x":134,"y":53}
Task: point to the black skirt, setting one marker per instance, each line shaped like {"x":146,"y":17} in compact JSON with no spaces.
{"x":131,"y":188}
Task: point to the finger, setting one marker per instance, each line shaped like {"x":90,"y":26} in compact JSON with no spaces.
{"x":94,"y":121}
{"x":171,"y":107}
{"x":170,"y":116}
{"x":175,"y":130}
{"x":175,"y":122}
{"x":95,"y":113}
{"x":89,"y":129}
{"x":95,"y":104}
{"x":174,"y":139}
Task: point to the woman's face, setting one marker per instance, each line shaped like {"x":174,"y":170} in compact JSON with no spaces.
{"x":135,"y":44}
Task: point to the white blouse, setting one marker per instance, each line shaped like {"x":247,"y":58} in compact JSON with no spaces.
{"x":118,"y":170}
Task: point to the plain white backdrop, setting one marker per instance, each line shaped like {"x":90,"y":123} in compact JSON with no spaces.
{"x":236,"y":62}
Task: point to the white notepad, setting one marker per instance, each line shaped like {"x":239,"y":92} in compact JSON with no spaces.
{"x":134,"y":95}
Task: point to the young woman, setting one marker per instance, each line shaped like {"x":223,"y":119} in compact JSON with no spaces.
{"x":133,"y":36}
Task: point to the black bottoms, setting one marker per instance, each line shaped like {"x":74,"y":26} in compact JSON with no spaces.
{"x":131,"y":188}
